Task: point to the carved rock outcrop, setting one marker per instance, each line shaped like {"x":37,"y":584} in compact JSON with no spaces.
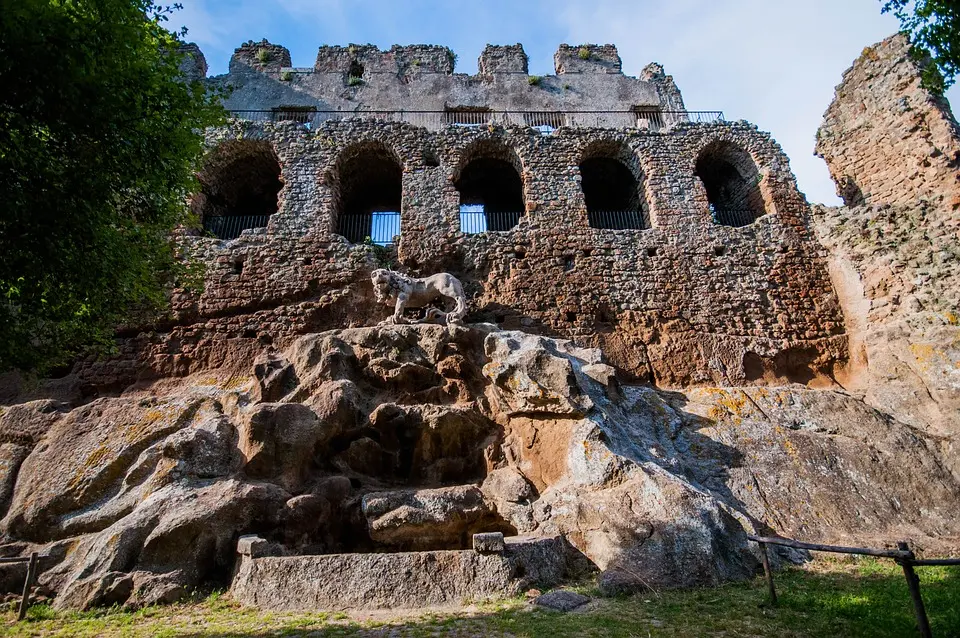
{"x":140,"y":497}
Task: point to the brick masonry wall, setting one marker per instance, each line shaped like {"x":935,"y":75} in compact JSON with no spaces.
{"x":885,"y":138}
{"x":685,"y":302}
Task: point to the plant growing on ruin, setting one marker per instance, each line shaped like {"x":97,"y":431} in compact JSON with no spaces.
{"x":382,"y":255}
{"x":286,"y":76}
{"x":263,"y":55}
{"x":354,"y":80}
{"x":933,"y":27}
{"x":583,"y":53}
{"x":534,"y":80}
{"x":98,"y":147}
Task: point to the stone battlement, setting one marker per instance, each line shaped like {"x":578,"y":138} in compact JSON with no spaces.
{"x":422,"y":78}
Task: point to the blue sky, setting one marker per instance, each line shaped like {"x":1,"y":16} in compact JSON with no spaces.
{"x":772,"y":62}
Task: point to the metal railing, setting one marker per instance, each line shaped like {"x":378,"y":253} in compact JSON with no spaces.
{"x":734,"y":217}
{"x":473,"y":222}
{"x":380,"y":227}
{"x":650,"y":119}
{"x":618,"y":219}
{"x":903,"y":556}
{"x":230,"y":226}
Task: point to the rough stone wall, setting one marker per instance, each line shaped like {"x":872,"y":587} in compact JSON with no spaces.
{"x":893,"y":255}
{"x":421,"y":78}
{"x":684,"y":302}
{"x":260,"y":56}
{"x":503,"y":59}
{"x":885,"y":138}
{"x":587,"y":58}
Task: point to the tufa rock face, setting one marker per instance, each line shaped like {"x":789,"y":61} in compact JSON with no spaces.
{"x":885,"y":138}
{"x":417,"y":437}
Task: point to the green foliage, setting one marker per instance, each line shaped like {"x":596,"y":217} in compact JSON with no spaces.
{"x":263,"y":55}
{"x":354,"y":80}
{"x":583,"y":53}
{"x":40,"y":612}
{"x":382,"y":255}
{"x":286,"y":76}
{"x":99,"y":139}
{"x":534,"y":80}
{"x":830,"y":598}
{"x":934,"y":30}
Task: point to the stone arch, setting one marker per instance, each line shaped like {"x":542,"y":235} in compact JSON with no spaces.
{"x":613,"y":186}
{"x":240,"y":181}
{"x":732,"y":180}
{"x":488,"y":178}
{"x":368,"y":190}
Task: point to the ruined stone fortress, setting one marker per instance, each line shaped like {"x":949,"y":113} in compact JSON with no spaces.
{"x":677,"y":241}
{"x":665,"y":347}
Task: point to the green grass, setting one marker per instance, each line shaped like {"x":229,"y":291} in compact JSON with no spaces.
{"x":828,"y":598}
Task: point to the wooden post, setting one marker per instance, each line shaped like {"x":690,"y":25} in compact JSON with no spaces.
{"x":27,"y":585}
{"x":913,"y":583}
{"x":768,"y":573}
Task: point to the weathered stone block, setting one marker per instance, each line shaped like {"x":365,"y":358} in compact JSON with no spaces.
{"x":488,"y":543}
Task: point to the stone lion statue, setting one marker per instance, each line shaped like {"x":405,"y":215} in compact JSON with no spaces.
{"x":401,"y":291}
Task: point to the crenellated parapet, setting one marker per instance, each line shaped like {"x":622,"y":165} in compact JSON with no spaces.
{"x":260,"y":56}
{"x":421,"y":78}
{"x":359,"y":59}
{"x":503,"y":59}
{"x":587,"y":58}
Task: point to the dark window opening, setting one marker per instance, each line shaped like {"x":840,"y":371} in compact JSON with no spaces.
{"x":571,"y":317}
{"x":239,"y":184}
{"x":732,"y":182}
{"x":370,"y":182}
{"x":430,"y":159}
{"x":356,"y":70}
{"x":568,"y":263}
{"x":612,"y":194}
{"x":491,"y":195}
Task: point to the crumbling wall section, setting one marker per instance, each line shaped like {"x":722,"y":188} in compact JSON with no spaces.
{"x":687,"y":301}
{"x":887,"y":139}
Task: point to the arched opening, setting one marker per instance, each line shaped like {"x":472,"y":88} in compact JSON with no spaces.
{"x":732,"y":181}
{"x":369,"y":180}
{"x":612,"y":186}
{"x":239,"y":184}
{"x":491,"y":190}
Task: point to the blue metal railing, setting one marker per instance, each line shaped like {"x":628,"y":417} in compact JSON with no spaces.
{"x":380,"y":227}
{"x":474,"y":220}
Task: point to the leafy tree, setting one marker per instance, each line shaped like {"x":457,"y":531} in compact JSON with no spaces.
{"x":99,"y":139}
{"x":934,"y":29}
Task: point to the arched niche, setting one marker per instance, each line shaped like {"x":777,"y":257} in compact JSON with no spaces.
{"x":239,"y":184}
{"x":368,"y":181}
{"x":490,"y":187}
{"x":732,"y":181}
{"x":613,"y":187}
